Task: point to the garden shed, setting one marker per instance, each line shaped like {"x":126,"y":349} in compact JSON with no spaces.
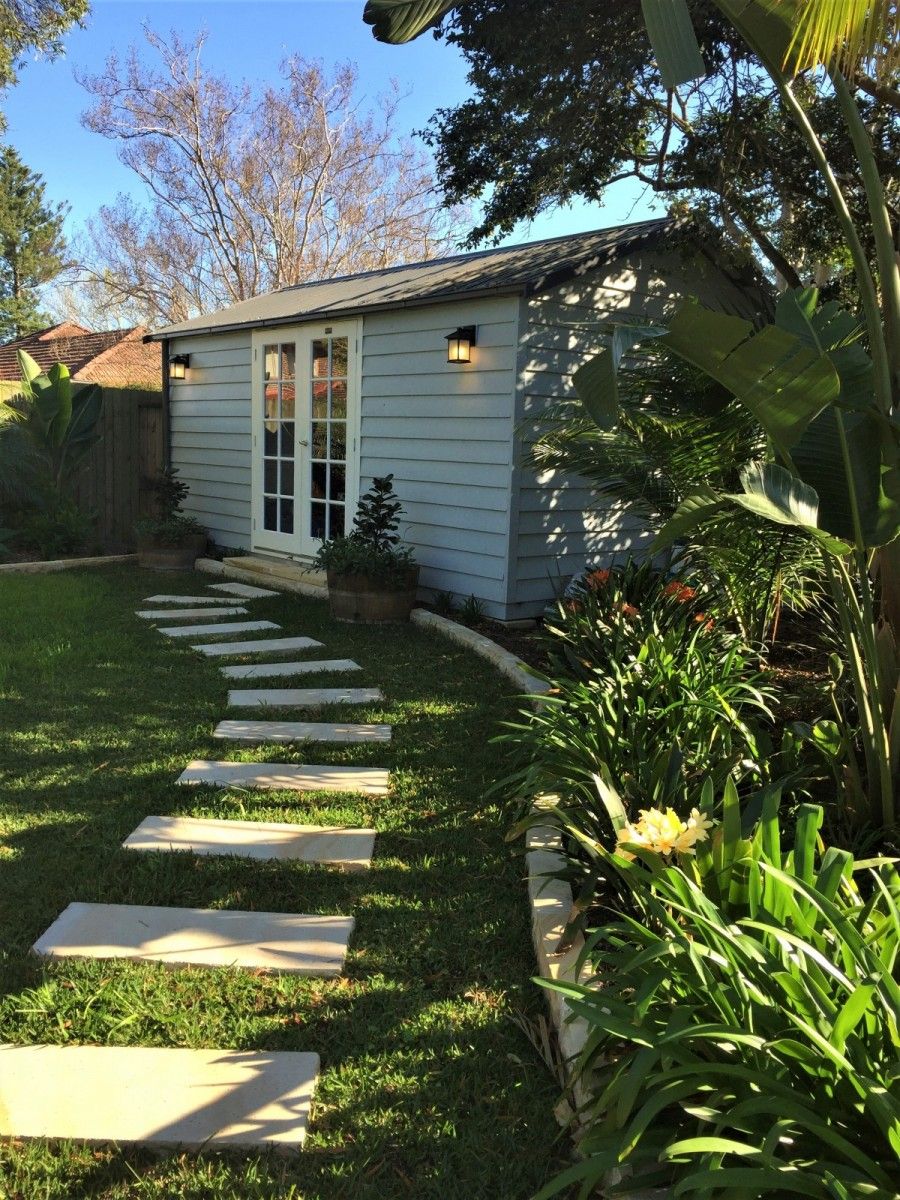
{"x":283,"y":407}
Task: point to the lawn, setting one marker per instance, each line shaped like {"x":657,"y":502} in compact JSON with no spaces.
{"x":429,"y":1086}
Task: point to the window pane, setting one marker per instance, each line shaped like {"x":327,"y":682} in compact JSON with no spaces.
{"x":317,"y":520}
{"x":320,"y":400}
{"x":335,"y":520}
{"x":319,"y":439}
{"x":339,"y":356}
{"x":271,"y":402}
{"x":319,"y":478}
{"x":287,"y":401}
{"x":287,"y":516}
{"x":270,"y":483}
{"x":320,"y":358}
{"x":287,"y":361}
{"x":270,"y":439}
{"x":287,"y":479}
{"x":271,"y":356}
{"x":338,"y":441}
{"x":339,"y":399}
{"x":270,"y":513}
{"x":287,"y":439}
{"x":338,"y":486}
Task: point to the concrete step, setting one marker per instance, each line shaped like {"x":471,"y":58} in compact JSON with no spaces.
{"x":289,"y":777}
{"x":310,"y":667}
{"x":182,"y":600}
{"x":301,"y":731}
{"x":199,"y":937}
{"x":246,"y":590}
{"x":277,"y":568}
{"x":301,"y":697}
{"x":173,"y":614}
{"x":350,"y":849}
{"x":164,"y":1098}
{"x":180,"y":631}
{"x":257,"y":646}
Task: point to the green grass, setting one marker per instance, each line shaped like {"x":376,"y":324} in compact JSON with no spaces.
{"x":428,"y":1088}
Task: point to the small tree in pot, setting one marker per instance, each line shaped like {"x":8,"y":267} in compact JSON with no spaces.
{"x":371,"y":577}
{"x":170,"y":541}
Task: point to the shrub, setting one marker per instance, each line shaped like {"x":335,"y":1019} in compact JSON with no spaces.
{"x":58,"y":530}
{"x":170,"y":526}
{"x":743,"y":1025}
{"x":373,"y":548}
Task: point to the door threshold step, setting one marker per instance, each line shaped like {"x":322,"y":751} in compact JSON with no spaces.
{"x":301,"y":731}
{"x":172,"y":614}
{"x":278,"y":568}
{"x":265,"y":646}
{"x":215,"y":630}
{"x":199,"y":937}
{"x":247,"y":590}
{"x":182,"y":600}
{"x":164,"y":1098}
{"x":350,"y":849}
{"x":310,"y":667}
{"x":301,"y":697}
{"x":288,"y":777}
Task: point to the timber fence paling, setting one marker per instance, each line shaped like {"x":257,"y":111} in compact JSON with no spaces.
{"x":115,"y":484}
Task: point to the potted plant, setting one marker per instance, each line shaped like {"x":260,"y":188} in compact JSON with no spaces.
{"x":170,"y":541}
{"x":371,"y":577}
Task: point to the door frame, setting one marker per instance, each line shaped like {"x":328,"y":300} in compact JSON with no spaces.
{"x":296,"y":545}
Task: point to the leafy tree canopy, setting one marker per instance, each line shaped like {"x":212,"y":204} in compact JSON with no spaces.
{"x":33,"y":25}
{"x":32,"y":245}
{"x":568,"y":99}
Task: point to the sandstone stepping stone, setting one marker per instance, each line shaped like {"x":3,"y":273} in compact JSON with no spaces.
{"x":166,"y":1098}
{"x":169,"y":614}
{"x":369,"y":781}
{"x":260,"y":670}
{"x":242,"y":589}
{"x":167,"y":599}
{"x":271,"y":646}
{"x":301,"y":697}
{"x":201,"y":937}
{"x":227,"y":627}
{"x":347,"y":848}
{"x":301,"y":731}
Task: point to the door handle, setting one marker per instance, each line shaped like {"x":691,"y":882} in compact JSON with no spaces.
{"x":302,"y":442}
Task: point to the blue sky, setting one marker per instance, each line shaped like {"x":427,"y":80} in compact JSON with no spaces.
{"x":246,"y":41}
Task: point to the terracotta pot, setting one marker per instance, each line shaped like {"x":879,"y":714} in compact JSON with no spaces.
{"x":360,"y":598}
{"x":181,"y":556}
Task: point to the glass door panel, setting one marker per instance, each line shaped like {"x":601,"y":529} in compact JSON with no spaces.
{"x":279,"y":438}
{"x":327,"y":383}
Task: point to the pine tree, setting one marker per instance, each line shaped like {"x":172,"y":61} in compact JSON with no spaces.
{"x":32,"y":245}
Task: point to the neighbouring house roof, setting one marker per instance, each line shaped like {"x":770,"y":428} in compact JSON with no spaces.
{"x":114,"y":357}
{"x":527,"y":269}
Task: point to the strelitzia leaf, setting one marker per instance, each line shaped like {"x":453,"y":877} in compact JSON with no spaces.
{"x":596,"y":382}
{"x":674,"y":42}
{"x":399,"y":21}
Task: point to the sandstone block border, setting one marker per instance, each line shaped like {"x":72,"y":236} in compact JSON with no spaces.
{"x":66,"y":564}
{"x":211,"y":566}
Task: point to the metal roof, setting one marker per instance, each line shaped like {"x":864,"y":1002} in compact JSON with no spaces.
{"x":527,"y":269}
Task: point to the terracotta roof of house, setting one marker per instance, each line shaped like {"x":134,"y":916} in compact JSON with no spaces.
{"x":114,"y":357}
{"x":527,"y":269}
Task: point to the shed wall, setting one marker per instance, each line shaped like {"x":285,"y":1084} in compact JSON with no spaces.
{"x":558,"y":522}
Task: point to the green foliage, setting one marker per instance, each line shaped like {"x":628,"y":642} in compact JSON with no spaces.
{"x":35,"y":26}
{"x":373,"y":548}
{"x":743,"y":1025}
{"x":170,"y":526}
{"x":444,"y":603}
{"x":32,"y":245}
{"x":56,"y":531}
{"x":471,"y":611}
{"x":57,"y":422}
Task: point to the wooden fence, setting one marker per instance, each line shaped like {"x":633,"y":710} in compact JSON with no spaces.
{"x":116,"y":483}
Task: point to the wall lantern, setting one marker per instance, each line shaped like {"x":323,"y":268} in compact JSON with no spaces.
{"x":460,"y":343}
{"x":178,"y":365}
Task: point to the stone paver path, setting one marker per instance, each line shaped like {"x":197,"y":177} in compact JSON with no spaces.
{"x":173,"y":614}
{"x":166,"y":1098}
{"x":269,"y":646}
{"x":215,"y":630}
{"x":168,"y":599}
{"x":370,"y":781}
{"x":300,"y":731}
{"x":243,"y":589}
{"x":301,"y":697}
{"x":265,"y":941}
{"x":350,"y":849}
{"x":310,"y":667}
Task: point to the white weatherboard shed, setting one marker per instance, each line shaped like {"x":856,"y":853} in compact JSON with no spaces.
{"x":293,"y":401}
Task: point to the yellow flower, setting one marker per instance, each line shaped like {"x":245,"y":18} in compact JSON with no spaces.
{"x":664,"y":832}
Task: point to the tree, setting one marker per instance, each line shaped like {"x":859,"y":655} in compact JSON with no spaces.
{"x":578,"y":103}
{"x":33,"y":25}
{"x":250,"y":189}
{"x":32,"y":245}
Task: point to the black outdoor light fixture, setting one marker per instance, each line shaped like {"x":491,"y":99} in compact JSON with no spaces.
{"x":178,"y":365}
{"x":460,"y":343}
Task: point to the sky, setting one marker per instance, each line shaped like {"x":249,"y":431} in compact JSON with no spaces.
{"x":246,"y":41}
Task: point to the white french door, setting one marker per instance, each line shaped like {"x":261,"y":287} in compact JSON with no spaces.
{"x":305,"y":435}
